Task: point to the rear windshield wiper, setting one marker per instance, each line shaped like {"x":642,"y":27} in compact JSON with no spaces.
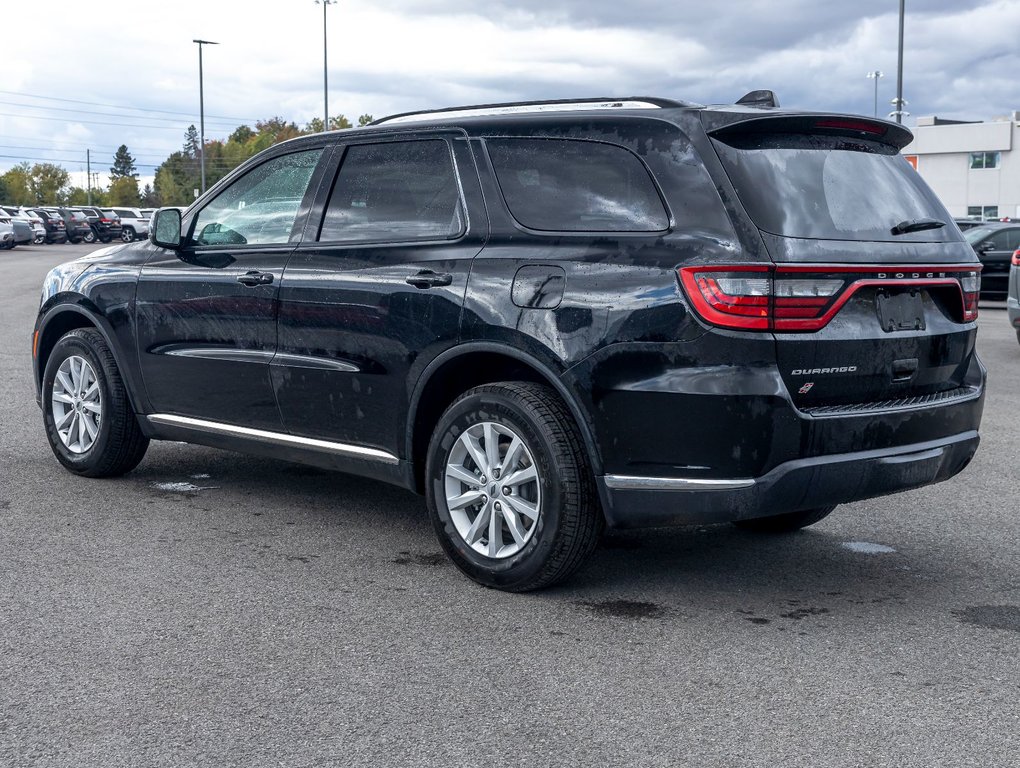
{"x":917,"y":225}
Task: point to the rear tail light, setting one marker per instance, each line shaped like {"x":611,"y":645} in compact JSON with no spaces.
{"x":806,"y":298}
{"x":1015,"y":261}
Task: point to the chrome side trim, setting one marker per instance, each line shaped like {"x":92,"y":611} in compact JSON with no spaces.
{"x":275,"y":438}
{"x":227,"y":354}
{"x":288,"y":360}
{"x":632,"y":483}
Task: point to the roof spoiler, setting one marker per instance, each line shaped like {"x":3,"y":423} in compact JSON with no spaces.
{"x":759,"y":99}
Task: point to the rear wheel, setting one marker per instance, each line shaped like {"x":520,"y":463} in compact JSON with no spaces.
{"x":127,"y":234}
{"x":89,"y":421}
{"x":509,"y":488}
{"x":89,"y":237}
{"x":786,"y":522}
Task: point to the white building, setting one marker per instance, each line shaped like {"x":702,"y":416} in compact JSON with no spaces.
{"x":972,"y":167}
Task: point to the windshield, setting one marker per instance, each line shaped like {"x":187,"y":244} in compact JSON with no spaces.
{"x":974,"y":234}
{"x":829,"y":187}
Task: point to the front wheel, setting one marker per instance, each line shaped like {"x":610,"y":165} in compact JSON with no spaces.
{"x":509,"y":488}
{"x":786,"y":522}
{"x":127,"y":234}
{"x":88,"y":418}
{"x":89,"y":237}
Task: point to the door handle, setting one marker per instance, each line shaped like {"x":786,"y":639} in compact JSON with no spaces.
{"x":429,"y":279}
{"x":253,"y":278}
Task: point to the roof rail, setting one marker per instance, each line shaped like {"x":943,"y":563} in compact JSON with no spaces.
{"x":518,"y":107}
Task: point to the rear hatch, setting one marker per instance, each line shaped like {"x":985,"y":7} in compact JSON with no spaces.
{"x":872,"y":292}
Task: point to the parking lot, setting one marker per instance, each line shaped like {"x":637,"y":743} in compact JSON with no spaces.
{"x":211,"y":609}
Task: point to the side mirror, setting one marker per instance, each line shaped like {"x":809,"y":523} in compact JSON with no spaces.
{"x":165,"y":230}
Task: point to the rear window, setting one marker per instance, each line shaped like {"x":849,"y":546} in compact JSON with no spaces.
{"x":829,"y":187}
{"x":576,"y":186}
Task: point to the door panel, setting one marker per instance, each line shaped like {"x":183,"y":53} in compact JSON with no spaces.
{"x":356,"y":316}
{"x":207,"y":314}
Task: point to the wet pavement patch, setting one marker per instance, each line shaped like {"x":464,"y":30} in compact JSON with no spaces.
{"x":867,"y":548}
{"x":182,"y":487}
{"x":991,"y":616}
{"x":431,"y":559}
{"x":802,"y":613}
{"x":622,"y":609}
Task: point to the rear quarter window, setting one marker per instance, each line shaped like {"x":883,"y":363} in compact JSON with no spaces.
{"x":569,"y":185}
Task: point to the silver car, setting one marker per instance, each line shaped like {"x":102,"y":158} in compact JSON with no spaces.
{"x":6,"y":233}
{"x":1013,"y":293}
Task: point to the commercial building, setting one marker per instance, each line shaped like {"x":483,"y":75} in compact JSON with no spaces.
{"x":972,"y":166}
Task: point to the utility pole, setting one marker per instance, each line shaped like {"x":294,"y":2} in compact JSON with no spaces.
{"x":88,"y":172}
{"x":201,"y":108}
{"x":325,"y":69}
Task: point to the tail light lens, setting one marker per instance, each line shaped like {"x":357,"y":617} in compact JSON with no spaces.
{"x":1015,"y":261}
{"x":806,"y":298}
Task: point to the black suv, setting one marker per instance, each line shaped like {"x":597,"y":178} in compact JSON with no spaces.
{"x":105,"y":224}
{"x":995,"y":243}
{"x":546,"y":318}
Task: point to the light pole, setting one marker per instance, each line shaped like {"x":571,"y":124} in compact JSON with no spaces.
{"x":325,"y":71}
{"x":201,"y":109}
{"x":874,"y":76}
{"x":899,"y":73}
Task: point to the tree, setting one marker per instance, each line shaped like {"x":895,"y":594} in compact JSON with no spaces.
{"x":123,"y":165}
{"x":47,"y":183}
{"x":123,"y":191}
{"x":365,"y":120}
{"x":17,"y":181}
{"x":150,"y":199}
{"x":192,"y":143}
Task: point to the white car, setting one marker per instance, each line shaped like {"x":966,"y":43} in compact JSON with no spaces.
{"x":134,"y":223}
{"x":6,"y":233}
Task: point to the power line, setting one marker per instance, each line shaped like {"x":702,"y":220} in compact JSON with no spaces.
{"x":120,"y":106}
{"x":89,"y":112}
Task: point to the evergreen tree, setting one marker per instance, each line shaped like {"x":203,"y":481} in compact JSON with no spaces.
{"x":192,"y":143}
{"x":123,"y":164}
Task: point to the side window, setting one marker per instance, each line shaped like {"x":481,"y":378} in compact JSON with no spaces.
{"x":260,"y":207}
{"x":394,"y":191}
{"x":576,"y":186}
{"x":1001,"y":240}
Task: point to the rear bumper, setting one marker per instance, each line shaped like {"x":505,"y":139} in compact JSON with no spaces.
{"x":795,"y":485}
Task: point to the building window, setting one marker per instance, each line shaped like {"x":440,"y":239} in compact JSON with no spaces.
{"x":983,"y":212}
{"x":984,"y":159}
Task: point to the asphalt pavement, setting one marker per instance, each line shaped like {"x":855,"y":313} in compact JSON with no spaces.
{"x":211,"y":609}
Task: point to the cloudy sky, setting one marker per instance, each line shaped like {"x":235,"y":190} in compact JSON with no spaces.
{"x":95,"y":76}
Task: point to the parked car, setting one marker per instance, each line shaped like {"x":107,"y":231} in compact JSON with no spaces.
{"x":134,"y":224}
{"x":6,"y":233}
{"x":24,"y":234}
{"x":38,"y":227}
{"x":546,"y":318}
{"x":1013,"y":293}
{"x":104,"y":222}
{"x":55,"y":229}
{"x":965,"y":224}
{"x":994,"y":243}
{"x":76,"y":224}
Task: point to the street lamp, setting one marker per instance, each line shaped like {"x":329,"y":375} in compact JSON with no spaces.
{"x":201,"y":108}
{"x":874,"y":76}
{"x":325,"y":72}
{"x":899,"y":73}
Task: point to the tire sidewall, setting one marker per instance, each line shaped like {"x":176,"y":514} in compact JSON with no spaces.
{"x":68,"y":346}
{"x":501,"y":409}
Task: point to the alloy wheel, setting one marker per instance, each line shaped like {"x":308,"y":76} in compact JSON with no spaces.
{"x":493,"y":490}
{"x":77,"y":404}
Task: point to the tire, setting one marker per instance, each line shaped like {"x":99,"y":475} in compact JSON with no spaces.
{"x":89,"y":237}
{"x":562,"y":493}
{"x":127,"y":234}
{"x":117,"y":444}
{"x":787,"y":522}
